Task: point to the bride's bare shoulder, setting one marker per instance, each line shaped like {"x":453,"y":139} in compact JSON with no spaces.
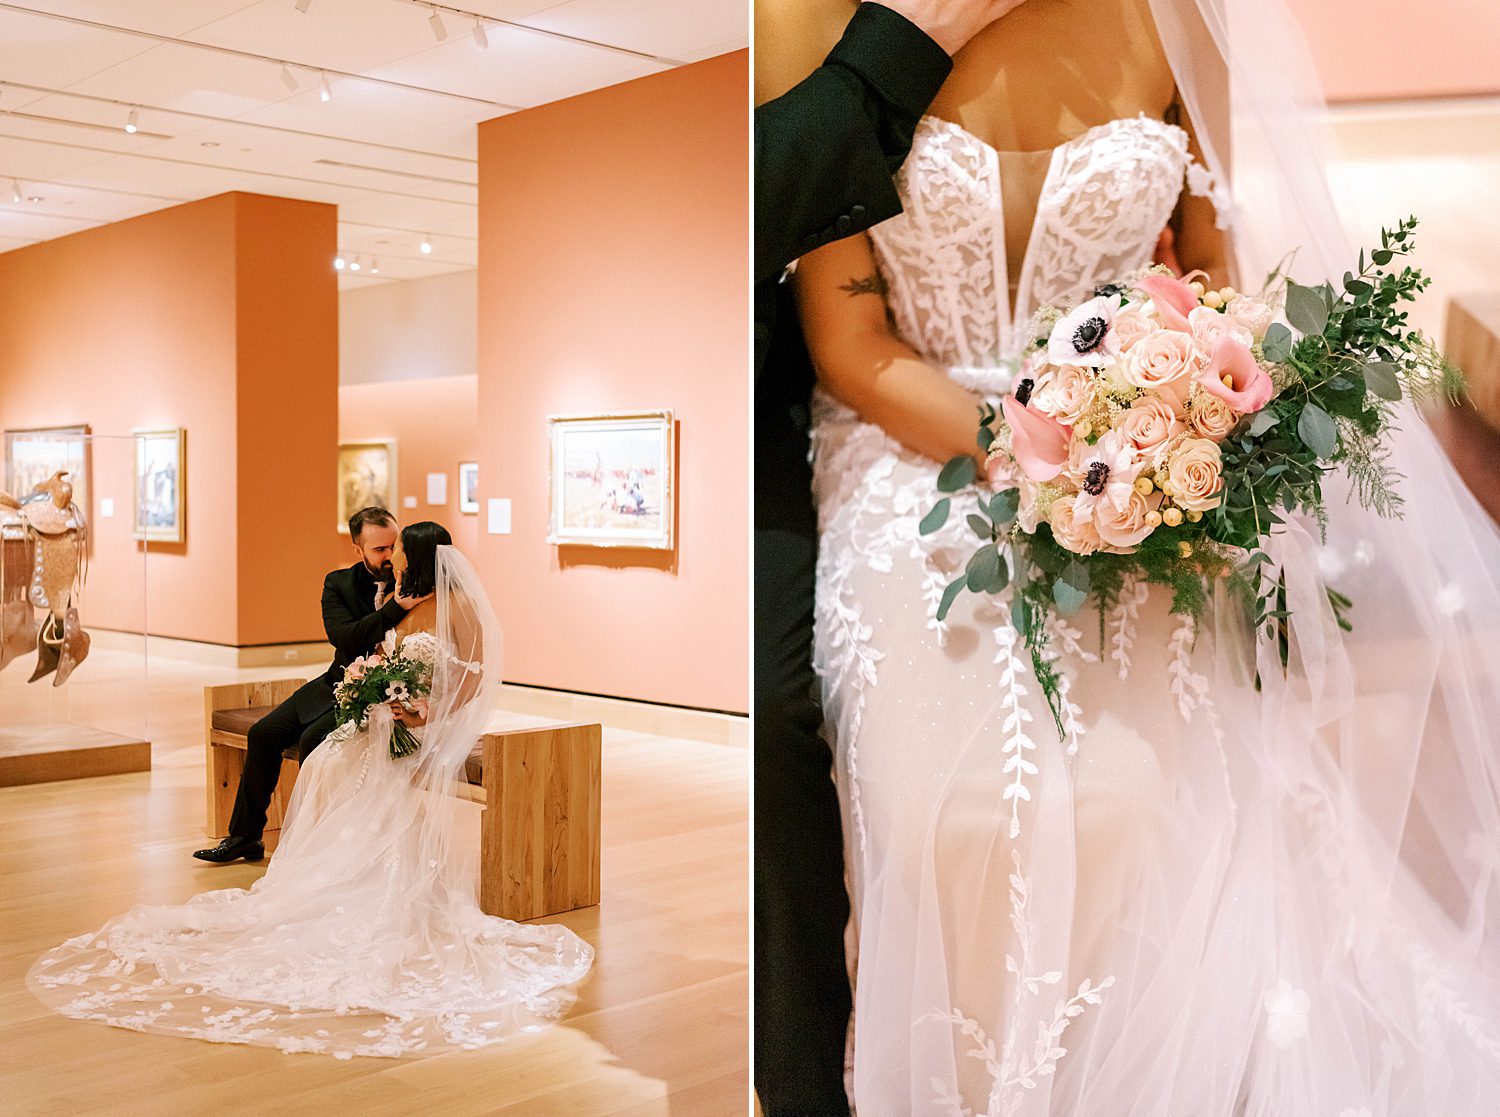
{"x":792,"y":37}
{"x":421,"y":619}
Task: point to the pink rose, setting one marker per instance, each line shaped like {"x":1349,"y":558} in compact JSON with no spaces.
{"x":1124,"y":527}
{"x":1074,"y":533}
{"x":1065,"y":393}
{"x":1131,"y":326}
{"x":1148,"y":423}
{"x":1249,"y":388}
{"x":1253,"y":314}
{"x":1039,"y":443}
{"x":1171,"y":297}
{"x":1211,"y":417}
{"x":1164,"y":363}
{"x":1208,"y":325}
{"x":1195,"y":474}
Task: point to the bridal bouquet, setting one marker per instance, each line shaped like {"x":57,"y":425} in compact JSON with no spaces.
{"x":1160,"y":430}
{"x":398,"y":671}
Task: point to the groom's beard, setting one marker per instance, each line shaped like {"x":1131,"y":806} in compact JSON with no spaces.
{"x":385,"y":573}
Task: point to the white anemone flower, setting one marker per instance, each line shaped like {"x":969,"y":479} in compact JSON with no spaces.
{"x":1106,"y":474}
{"x":1084,"y":337}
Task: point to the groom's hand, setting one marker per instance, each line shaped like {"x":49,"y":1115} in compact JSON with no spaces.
{"x":410,"y":603}
{"x":952,"y":23}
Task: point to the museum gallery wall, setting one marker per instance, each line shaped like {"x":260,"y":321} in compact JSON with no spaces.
{"x":218,"y":317}
{"x":613,"y":255}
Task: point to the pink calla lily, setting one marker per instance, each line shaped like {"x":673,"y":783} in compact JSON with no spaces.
{"x":1173,"y":299}
{"x":1038,"y":442}
{"x":1250,"y":387}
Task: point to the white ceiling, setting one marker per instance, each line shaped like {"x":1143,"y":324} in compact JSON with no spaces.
{"x":394,"y":149}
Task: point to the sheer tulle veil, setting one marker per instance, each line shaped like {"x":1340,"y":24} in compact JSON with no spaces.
{"x":364,"y":937}
{"x":1393,"y":729}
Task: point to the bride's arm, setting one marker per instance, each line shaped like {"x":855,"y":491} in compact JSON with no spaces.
{"x":861,"y":362}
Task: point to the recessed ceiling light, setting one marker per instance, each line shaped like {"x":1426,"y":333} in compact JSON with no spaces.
{"x":338,"y":263}
{"x":354,"y":264}
{"x":209,"y":143}
{"x":36,"y":198}
{"x":426,"y":246}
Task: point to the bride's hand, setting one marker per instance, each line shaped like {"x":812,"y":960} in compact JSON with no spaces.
{"x":410,"y":603}
{"x":412,"y":718}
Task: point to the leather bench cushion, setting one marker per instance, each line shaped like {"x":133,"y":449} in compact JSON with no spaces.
{"x":239,"y":722}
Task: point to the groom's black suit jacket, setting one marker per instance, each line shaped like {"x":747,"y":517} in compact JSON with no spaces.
{"x":825,"y":153}
{"x":354,"y":627}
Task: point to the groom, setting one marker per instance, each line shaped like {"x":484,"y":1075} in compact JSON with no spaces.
{"x":360,"y":604}
{"x":824,"y":155}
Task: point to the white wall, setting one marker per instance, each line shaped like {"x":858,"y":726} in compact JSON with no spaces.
{"x":414,"y":330}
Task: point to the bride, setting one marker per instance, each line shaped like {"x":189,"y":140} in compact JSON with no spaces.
{"x":1233,"y":888}
{"x":364,"y":937}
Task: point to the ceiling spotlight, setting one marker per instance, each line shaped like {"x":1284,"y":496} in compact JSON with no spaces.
{"x":15,"y":191}
{"x":303,"y":5}
{"x":36,"y":198}
{"x":480,"y":36}
{"x":133,"y":122}
{"x":374,"y":266}
{"x":435,"y":21}
{"x":325,"y":91}
{"x":426,"y":245}
{"x":287,"y":79}
{"x":354,"y":264}
{"x":338,"y":263}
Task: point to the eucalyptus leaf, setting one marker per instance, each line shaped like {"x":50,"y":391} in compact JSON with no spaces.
{"x":980,"y":527}
{"x":1305,"y":308}
{"x":1020,"y":614}
{"x":985,"y":438}
{"x":1263,"y":421}
{"x":1380,"y":378}
{"x":954,"y":588}
{"x":1317,"y":428}
{"x":1069,"y":600}
{"x":936,"y":518}
{"x":1277,"y":344}
{"x":957,"y":474}
{"x":983,"y":569}
{"x":1076,"y":574}
{"x":1003,"y":506}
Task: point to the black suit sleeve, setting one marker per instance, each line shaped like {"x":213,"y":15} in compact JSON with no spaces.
{"x":351,"y":635}
{"x":826,"y":149}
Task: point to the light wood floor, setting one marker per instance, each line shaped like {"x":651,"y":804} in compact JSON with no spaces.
{"x":660,"y":1026}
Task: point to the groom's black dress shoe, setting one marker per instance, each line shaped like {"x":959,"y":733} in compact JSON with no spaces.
{"x":232,"y":849}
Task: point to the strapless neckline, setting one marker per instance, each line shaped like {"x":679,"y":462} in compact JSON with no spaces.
{"x":1087,"y":134}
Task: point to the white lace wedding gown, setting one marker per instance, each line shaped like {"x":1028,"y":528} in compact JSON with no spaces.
{"x":1201,"y":902}
{"x":364,"y":937}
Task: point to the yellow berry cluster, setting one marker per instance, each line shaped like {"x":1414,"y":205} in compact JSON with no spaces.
{"x":1168,"y":514}
{"x":1212,"y":299}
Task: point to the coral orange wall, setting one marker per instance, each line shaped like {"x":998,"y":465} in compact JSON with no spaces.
{"x":219,"y":316}
{"x":435,"y":427}
{"x":1380,"y":50}
{"x":613,"y":275}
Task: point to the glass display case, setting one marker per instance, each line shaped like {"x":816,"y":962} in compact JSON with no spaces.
{"x":74,"y":562}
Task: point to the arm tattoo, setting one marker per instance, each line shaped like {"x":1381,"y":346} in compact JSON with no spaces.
{"x":872,"y":284}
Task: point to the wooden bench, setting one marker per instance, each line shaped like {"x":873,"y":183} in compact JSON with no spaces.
{"x":539,"y":831}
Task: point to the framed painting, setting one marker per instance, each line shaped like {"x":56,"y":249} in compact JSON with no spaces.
{"x":160,"y":477}
{"x":35,"y":454}
{"x":468,"y":488}
{"x":611,"y":480}
{"x":367,"y":477}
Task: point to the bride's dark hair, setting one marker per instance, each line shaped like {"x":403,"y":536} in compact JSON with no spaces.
{"x":419,"y":543}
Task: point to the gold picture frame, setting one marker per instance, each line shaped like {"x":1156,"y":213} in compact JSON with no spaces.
{"x":611,"y":480}
{"x":366,"y":476}
{"x":33,"y":454}
{"x":158,"y":503}
{"x":468,"y":488}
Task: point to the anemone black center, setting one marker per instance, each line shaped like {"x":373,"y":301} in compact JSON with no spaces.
{"x":1089,"y":334}
{"x":1093,"y":484}
{"x":1023,"y":391}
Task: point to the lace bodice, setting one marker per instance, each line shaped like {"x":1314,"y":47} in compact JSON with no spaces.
{"x":1107,"y":195}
